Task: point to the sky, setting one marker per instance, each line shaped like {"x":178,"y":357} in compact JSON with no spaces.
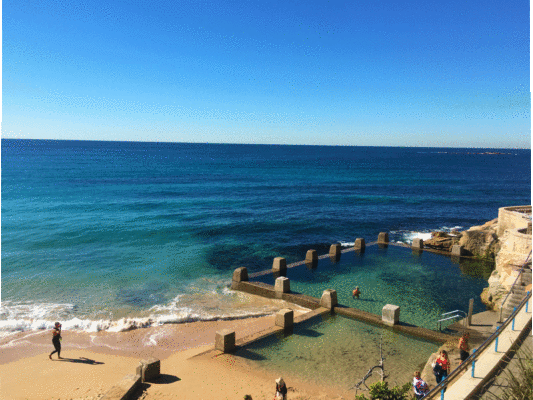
{"x":365,"y":73}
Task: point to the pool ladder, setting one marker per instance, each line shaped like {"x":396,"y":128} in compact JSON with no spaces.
{"x":454,"y":314}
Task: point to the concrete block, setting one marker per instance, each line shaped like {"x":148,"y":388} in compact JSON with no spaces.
{"x":150,"y":369}
{"x":311,"y":256}
{"x":285,"y":318}
{"x":418,"y":243}
{"x":457,"y":250}
{"x":225,"y":340}
{"x":124,"y":389}
{"x":329,"y":299}
{"x":240,"y":274}
{"x":282,"y":285}
{"x":390,"y":314}
{"x":359,"y":244}
{"x":383,"y":238}
{"x":335,"y":251}
{"x":279,"y":266}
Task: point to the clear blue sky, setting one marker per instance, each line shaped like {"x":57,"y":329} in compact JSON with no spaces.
{"x":396,"y":73}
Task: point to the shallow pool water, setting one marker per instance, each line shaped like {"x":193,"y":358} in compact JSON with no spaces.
{"x":424,"y":285}
{"x":338,"y":352}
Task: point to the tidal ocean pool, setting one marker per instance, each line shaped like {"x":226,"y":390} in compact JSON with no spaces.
{"x":338,"y":352}
{"x":424,"y":286}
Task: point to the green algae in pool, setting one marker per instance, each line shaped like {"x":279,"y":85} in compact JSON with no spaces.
{"x":338,"y":352}
{"x":424,"y":286}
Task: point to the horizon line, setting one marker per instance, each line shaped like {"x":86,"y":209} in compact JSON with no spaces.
{"x":269,"y":144}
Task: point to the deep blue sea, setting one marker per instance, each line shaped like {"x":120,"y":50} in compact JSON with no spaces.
{"x":110,"y":235}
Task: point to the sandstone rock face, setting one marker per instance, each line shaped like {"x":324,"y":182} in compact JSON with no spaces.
{"x":493,"y":296}
{"x":441,"y":241}
{"x":510,"y":248}
{"x":482,"y":243}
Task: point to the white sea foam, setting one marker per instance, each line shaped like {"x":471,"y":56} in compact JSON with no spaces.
{"x":405,"y":236}
{"x":212,"y":305}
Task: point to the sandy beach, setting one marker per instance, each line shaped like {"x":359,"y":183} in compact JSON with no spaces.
{"x":94,"y":362}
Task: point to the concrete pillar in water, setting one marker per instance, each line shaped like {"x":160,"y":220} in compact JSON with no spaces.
{"x":225,"y":340}
{"x":311,"y":259}
{"x":239,"y":275}
{"x":390,"y":315}
{"x":329,"y":299}
{"x":282,"y":285}
{"x":311,"y":256}
{"x":359,"y":245}
{"x":285,"y":318}
{"x":418,"y":244}
{"x":335,"y":252}
{"x":457,"y":250}
{"x":279,"y":266}
{"x":383,"y":239}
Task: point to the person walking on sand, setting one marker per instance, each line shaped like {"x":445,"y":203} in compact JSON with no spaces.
{"x":281,"y":389}
{"x":444,"y":364}
{"x":464,"y":347}
{"x":56,"y":340}
{"x":419,"y":386}
{"x":356,"y":292}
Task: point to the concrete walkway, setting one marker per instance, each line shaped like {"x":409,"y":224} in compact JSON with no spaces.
{"x":463,"y":386}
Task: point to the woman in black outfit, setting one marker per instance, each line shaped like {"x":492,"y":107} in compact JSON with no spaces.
{"x":56,"y":340}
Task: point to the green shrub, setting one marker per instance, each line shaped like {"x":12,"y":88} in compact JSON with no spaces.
{"x":381,"y":391}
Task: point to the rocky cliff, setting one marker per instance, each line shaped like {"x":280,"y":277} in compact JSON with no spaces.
{"x":478,"y":241}
{"x":509,"y":250}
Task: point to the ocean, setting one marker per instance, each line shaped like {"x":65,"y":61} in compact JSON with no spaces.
{"x":117,"y":235}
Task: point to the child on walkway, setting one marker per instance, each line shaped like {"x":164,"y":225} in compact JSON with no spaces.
{"x":463,"y":346}
{"x":419,"y":386}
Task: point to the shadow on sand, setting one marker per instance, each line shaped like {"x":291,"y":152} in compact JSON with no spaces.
{"x":81,"y":360}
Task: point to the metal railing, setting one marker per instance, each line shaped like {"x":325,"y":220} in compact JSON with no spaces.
{"x":455,"y":315}
{"x":514,"y":283}
{"x":477,"y":352}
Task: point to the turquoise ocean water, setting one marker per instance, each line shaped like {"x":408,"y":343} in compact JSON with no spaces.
{"x":114,"y":235}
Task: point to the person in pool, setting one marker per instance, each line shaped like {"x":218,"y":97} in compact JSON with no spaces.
{"x":56,"y":340}
{"x":356,"y":292}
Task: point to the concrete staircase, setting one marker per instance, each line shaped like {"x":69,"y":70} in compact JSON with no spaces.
{"x":518,"y":292}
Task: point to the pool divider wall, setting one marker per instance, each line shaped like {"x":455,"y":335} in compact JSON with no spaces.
{"x":312,"y":303}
